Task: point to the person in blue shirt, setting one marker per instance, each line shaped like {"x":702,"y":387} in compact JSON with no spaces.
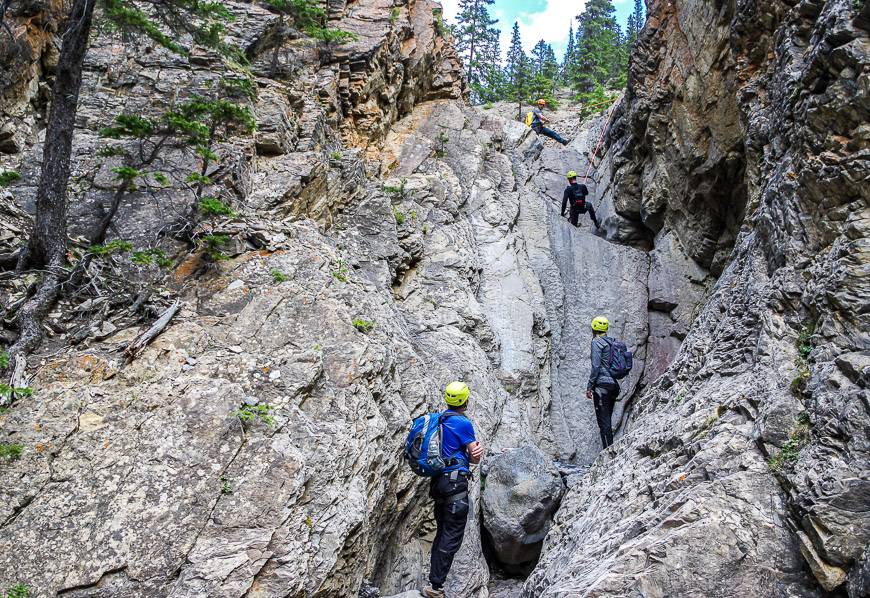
{"x":460,"y":449}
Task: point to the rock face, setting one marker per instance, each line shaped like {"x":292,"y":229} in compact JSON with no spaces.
{"x":389,"y":288}
{"x":27,"y":53}
{"x":741,"y":468}
{"x":522,"y":492}
{"x":418,"y":241}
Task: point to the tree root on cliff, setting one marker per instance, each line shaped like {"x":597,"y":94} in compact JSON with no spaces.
{"x":29,"y":324}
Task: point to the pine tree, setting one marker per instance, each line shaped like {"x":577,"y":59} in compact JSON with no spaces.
{"x":544,"y":71}
{"x":575,"y":67}
{"x":636,"y":21}
{"x":490,"y":80}
{"x":551,"y":66}
{"x":537,"y":57}
{"x":200,"y":23}
{"x":639,"y":15}
{"x":570,"y":58}
{"x":517,"y":71}
{"x":472,"y":30}
{"x":600,"y":48}
{"x":307,"y":16}
{"x":203,"y":22}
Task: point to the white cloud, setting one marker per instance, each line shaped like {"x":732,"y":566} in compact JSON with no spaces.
{"x":451,"y":8}
{"x":550,"y":25}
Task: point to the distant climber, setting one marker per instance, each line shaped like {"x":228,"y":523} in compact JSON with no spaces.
{"x":610,"y":362}
{"x":574,"y":199}
{"x":536,"y":120}
{"x":449,"y":489}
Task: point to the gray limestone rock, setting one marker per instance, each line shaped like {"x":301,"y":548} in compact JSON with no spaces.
{"x":739,"y":470}
{"x":732,"y":179}
{"x":522,"y":491}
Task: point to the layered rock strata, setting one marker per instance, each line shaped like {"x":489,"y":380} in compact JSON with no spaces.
{"x":743,"y":468}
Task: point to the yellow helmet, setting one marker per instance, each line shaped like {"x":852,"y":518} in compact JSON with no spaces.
{"x":456,"y":394}
{"x":600,"y":324}
{"x":571,"y":174}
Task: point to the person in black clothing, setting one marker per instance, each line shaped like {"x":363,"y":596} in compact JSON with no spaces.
{"x":602,"y":388}
{"x":575,"y":199}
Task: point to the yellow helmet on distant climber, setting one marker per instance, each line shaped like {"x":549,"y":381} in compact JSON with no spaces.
{"x":571,"y":174}
{"x":542,"y":102}
{"x":456,"y":394}
{"x":600,"y":324}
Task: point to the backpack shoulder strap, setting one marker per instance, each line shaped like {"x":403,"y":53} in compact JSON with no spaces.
{"x":445,"y":415}
{"x":609,"y":342}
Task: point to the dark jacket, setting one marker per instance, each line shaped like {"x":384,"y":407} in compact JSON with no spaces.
{"x":600,"y":358}
{"x":574,"y":194}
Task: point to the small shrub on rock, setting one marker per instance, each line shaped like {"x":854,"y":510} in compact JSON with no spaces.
{"x":363,"y":325}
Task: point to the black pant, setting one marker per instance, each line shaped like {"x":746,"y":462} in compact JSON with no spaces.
{"x":604,"y":397}
{"x":575,"y":211}
{"x":450,"y":516}
{"x":542,"y":130}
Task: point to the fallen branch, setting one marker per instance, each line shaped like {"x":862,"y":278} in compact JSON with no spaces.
{"x":141,"y":341}
{"x":17,"y":381}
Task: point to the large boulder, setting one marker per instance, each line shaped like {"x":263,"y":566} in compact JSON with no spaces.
{"x":522,"y":492}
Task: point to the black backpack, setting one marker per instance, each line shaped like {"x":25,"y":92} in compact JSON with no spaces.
{"x":621,"y":359}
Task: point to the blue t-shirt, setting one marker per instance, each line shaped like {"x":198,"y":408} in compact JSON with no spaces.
{"x":457,"y":433}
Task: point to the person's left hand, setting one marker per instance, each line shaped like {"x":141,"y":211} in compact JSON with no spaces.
{"x":589,"y":394}
{"x":476,"y":451}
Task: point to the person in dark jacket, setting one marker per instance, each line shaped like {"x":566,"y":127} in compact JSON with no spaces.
{"x":602,"y":388}
{"x":538,"y":121}
{"x":574,"y":199}
{"x":460,"y":449}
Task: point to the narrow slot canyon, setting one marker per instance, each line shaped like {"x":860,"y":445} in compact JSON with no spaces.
{"x":218,"y":405}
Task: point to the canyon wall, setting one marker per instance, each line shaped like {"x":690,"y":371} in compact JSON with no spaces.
{"x":741,"y":144}
{"x":418,"y":241}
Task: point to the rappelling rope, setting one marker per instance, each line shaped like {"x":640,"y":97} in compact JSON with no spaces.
{"x":600,"y":137}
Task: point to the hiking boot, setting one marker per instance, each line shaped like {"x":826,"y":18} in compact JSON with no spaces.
{"x":430,"y":592}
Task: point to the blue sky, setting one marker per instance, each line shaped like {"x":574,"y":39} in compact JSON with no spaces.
{"x":539,"y":19}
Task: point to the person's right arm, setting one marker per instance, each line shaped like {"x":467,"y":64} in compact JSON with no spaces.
{"x":564,"y":201}
{"x":473,"y":447}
